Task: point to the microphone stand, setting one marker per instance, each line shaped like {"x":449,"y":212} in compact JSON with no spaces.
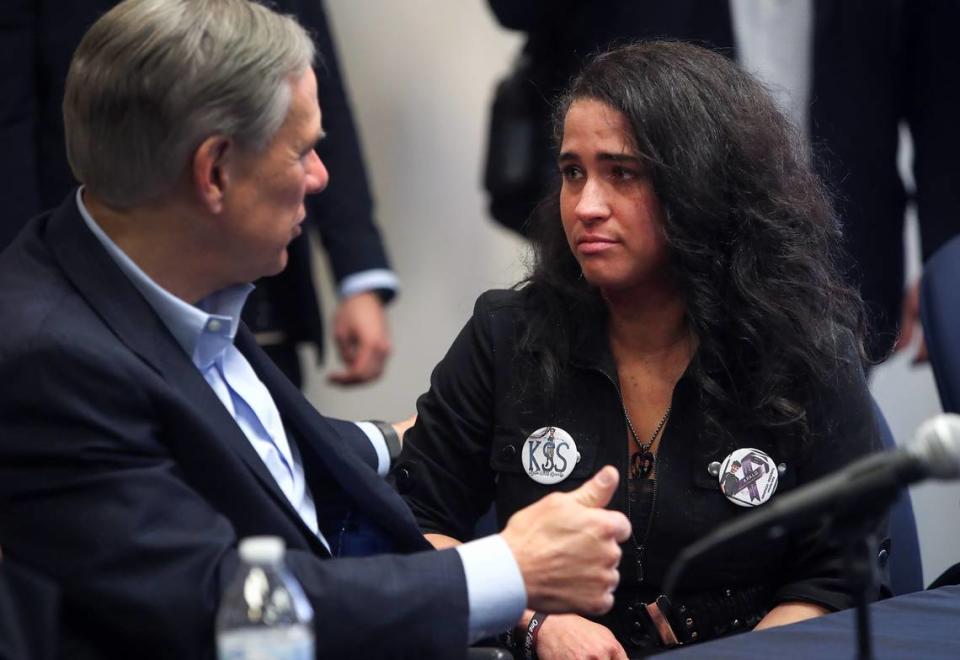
{"x":860,"y":566}
{"x":852,"y":523}
{"x":855,"y":527}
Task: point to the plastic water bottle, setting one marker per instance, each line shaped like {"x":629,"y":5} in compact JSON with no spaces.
{"x":264,"y":614}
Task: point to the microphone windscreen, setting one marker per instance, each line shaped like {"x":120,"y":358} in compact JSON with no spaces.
{"x":937,"y":445}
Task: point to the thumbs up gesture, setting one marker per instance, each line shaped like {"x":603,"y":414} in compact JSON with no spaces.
{"x":567,"y":547}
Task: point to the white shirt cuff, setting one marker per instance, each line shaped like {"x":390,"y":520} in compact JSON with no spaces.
{"x":495,"y":588}
{"x":379,"y":446}
{"x":368,"y":280}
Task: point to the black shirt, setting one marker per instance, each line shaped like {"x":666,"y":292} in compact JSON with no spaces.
{"x":465,"y":452}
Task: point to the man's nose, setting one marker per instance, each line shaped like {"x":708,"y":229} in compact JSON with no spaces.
{"x":317,"y":175}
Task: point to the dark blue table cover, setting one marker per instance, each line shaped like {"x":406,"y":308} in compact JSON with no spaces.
{"x":920,"y":626}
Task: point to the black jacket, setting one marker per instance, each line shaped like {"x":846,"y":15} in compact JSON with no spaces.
{"x":464,"y":452}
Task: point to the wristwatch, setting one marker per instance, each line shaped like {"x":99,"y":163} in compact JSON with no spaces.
{"x":390,"y":437}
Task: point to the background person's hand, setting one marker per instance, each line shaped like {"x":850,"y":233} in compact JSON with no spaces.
{"x":910,"y":325}
{"x":362,"y":338}
{"x":567,"y":547}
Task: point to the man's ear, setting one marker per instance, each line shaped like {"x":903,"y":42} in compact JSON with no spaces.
{"x":210,"y":177}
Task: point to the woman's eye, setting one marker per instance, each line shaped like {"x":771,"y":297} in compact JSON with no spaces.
{"x":623,"y":173}
{"x":571,"y":172}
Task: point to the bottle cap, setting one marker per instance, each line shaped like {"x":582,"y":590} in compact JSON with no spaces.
{"x":262,"y":549}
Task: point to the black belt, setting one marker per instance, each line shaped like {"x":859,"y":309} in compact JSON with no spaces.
{"x":651,"y":624}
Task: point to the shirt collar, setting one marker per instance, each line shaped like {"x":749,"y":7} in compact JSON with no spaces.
{"x":203,"y":331}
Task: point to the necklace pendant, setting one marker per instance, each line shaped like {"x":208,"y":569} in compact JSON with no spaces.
{"x":641,"y":464}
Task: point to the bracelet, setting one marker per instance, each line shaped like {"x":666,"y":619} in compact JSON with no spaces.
{"x":530,"y":639}
{"x":390,"y":437}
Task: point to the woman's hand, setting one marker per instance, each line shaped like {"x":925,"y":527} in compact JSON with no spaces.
{"x":790,"y":612}
{"x":403,"y":426}
{"x":571,"y":637}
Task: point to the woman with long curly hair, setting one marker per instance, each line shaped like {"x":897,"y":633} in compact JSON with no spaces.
{"x":684,"y":320}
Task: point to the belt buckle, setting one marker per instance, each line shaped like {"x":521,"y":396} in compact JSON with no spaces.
{"x":660,"y":611}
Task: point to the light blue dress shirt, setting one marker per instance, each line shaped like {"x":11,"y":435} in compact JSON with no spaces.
{"x":206,"y":332}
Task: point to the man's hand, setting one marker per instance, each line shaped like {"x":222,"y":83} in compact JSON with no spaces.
{"x":571,"y":637}
{"x":363,"y":341}
{"x":910,"y":324}
{"x":567,"y":547}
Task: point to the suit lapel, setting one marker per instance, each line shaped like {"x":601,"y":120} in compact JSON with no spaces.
{"x":125,"y":311}
{"x":321,"y":444}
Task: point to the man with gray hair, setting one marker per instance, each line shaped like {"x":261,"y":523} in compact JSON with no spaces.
{"x":143,"y":432}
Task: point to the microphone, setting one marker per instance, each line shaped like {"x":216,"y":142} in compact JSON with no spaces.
{"x":863,"y":486}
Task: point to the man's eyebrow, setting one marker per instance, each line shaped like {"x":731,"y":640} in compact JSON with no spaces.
{"x":312,"y":143}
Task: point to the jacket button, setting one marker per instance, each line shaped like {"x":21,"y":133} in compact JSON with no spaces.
{"x":404,"y":479}
{"x":507,"y":452}
{"x":883,"y":557}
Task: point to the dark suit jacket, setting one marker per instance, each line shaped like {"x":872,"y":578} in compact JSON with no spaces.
{"x":125,"y":480}
{"x":876,"y":63}
{"x":37,"y":40}
{"x":342,"y":214}
{"x":28,"y":614}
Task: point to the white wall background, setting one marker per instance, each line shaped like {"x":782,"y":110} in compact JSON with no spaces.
{"x":421,"y":74}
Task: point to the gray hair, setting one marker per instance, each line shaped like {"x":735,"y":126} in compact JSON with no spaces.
{"x":152,"y":79}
